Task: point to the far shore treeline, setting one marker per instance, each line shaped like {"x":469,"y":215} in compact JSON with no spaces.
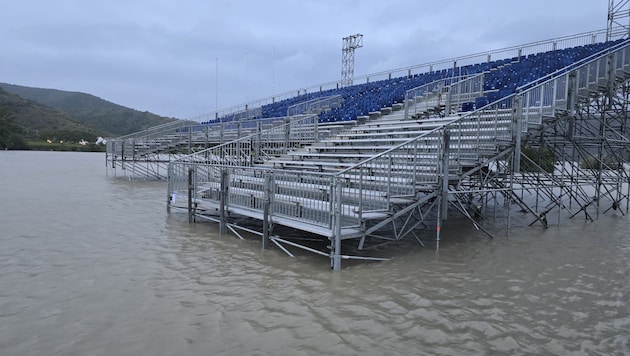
{"x":49,"y":119}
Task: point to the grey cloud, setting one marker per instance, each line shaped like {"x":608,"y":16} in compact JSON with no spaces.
{"x":162,"y":56}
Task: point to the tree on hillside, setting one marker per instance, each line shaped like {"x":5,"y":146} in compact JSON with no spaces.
{"x":10,"y":134}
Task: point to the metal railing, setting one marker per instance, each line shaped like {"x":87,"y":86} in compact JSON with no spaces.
{"x":464,"y":91}
{"x":296,"y":131}
{"x":315,"y":106}
{"x":551,"y":94}
{"x":364,"y":190}
{"x":429,"y":96}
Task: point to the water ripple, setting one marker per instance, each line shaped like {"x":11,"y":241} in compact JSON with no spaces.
{"x":122,"y":277}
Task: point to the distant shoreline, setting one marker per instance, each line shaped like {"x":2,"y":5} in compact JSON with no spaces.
{"x":61,"y":147}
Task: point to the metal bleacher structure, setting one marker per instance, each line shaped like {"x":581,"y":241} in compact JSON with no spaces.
{"x":543,"y":129}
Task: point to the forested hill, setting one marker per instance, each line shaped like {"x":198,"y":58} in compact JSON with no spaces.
{"x":99,"y":116}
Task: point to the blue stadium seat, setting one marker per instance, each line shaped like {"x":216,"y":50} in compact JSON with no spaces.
{"x":505,"y":92}
{"x":492,"y":96}
{"x":481,"y":102}
{"x":468,"y":106}
{"x":502,"y":78}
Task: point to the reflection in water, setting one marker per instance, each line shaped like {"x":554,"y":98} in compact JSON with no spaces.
{"x":91,"y":265}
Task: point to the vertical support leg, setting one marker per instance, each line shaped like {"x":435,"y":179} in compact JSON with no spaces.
{"x":517,"y":127}
{"x":508,"y":199}
{"x":169,"y":195}
{"x":336,"y":258}
{"x":223,"y":202}
{"x":438,"y":228}
{"x":191,"y":187}
{"x":122,"y":156}
{"x":443,"y":197}
{"x":266,"y":212}
{"x":335,"y":253}
{"x":189,"y":139}
{"x":113,"y":155}
{"x":445,"y":174}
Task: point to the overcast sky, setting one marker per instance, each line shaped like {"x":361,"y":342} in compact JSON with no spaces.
{"x":163,"y":56}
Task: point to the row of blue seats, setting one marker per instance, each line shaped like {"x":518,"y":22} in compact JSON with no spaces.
{"x":503,"y":77}
{"x":532,"y":67}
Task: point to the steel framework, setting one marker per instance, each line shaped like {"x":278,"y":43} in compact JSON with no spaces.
{"x":570,"y":157}
{"x":618,"y":19}
{"x":559,"y":145}
{"x":350,"y":43}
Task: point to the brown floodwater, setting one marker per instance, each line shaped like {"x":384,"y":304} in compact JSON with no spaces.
{"x":91,"y":265}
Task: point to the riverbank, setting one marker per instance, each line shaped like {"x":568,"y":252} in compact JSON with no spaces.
{"x":55,"y":146}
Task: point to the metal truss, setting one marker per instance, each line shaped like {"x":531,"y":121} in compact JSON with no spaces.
{"x":618,"y":19}
{"x":589,"y":173}
{"x":350,"y":43}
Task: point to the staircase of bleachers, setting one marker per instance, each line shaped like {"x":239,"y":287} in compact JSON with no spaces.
{"x":146,"y":154}
{"x":405,"y":149}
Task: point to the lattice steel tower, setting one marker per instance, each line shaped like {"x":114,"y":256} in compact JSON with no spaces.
{"x":618,"y":20}
{"x":350,"y":43}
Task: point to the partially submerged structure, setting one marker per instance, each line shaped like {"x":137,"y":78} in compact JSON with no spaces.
{"x":394,"y":157}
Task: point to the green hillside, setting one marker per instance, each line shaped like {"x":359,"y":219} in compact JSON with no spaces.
{"x":29,"y":120}
{"x":34,"y":118}
{"x":102,"y":116}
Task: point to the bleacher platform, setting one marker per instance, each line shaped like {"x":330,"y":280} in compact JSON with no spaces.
{"x":345,"y":162}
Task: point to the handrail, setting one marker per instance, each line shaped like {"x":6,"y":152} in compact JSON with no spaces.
{"x":461,"y":118}
{"x":439,"y":83}
{"x":572,"y":66}
{"x":306,"y":106}
{"x":156,"y":129}
{"x":249,"y":137}
{"x":397,"y":147}
{"x":449,"y":83}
